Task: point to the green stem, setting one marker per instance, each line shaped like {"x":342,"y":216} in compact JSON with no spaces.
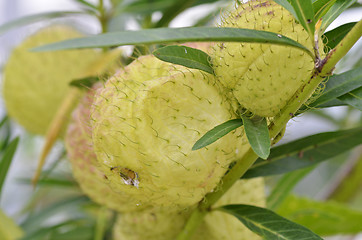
{"x":341,"y":49}
{"x":280,"y":121}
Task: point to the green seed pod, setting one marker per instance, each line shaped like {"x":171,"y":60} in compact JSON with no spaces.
{"x":92,"y":181}
{"x":153,"y":224}
{"x":36,"y":83}
{"x":263,"y":77}
{"x":144,"y":123}
{"x":157,"y":224}
{"x":222,"y":226}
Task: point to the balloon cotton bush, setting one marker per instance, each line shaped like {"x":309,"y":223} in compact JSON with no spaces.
{"x":158,"y":142}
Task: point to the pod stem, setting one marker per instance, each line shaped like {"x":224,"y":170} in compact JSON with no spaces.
{"x":275,"y":127}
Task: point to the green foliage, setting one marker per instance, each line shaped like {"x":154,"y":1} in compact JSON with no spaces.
{"x":324,"y":218}
{"x":268,"y":224}
{"x":296,"y":159}
{"x":185,"y":56}
{"x":306,"y":152}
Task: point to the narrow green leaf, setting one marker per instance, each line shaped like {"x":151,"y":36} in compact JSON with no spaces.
{"x":86,"y":82}
{"x":143,"y":7}
{"x":217,"y":132}
{"x":333,"y":37}
{"x":6,"y":160}
{"x":185,"y":56}
{"x":286,"y":5}
{"x":350,"y":185}
{"x":332,"y":103}
{"x":87,"y":4}
{"x":32,"y":223}
{"x":324,"y":218}
{"x":321,"y":7}
{"x":168,"y":35}
{"x":3,"y":121}
{"x":338,"y":7}
{"x":284,"y":186}
{"x":54,"y":182}
{"x":35,"y":18}
{"x":353,"y":98}
{"x":338,"y":85}
{"x":257,"y":132}
{"x":306,"y":152}
{"x":305,"y":14}
{"x":268,"y":224}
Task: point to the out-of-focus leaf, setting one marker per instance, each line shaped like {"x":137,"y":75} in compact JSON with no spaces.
{"x":217,"y":132}
{"x":143,"y":7}
{"x":9,"y":230}
{"x":305,"y":14}
{"x":54,"y":182}
{"x":321,"y":7}
{"x":3,"y":121}
{"x":86,"y":83}
{"x":185,"y":56}
{"x":286,"y":4}
{"x":6,"y":160}
{"x":350,"y":185}
{"x":284,"y":186}
{"x":353,"y":98}
{"x":54,"y":231}
{"x":324,"y":218}
{"x":34,"y":221}
{"x":338,"y":7}
{"x":268,"y":224}
{"x":338,"y":85}
{"x":168,"y":35}
{"x":333,"y":37}
{"x":87,"y":4}
{"x":257,"y":132}
{"x":306,"y":152}
{"x":35,"y":18}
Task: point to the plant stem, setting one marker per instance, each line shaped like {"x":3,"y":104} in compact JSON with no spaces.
{"x":277,"y":125}
{"x":341,"y":49}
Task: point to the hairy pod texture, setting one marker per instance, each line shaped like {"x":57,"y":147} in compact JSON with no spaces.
{"x":263,"y":77}
{"x":36,"y":83}
{"x":165,"y":225}
{"x":144,"y":123}
{"x":79,"y":145}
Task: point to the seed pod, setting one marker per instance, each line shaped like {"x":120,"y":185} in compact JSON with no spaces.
{"x":144,"y":123}
{"x":157,"y":225}
{"x":222,"y":226}
{"x":36,"y":83}
{"x":263,"y":77}
{"x":92,"y":181}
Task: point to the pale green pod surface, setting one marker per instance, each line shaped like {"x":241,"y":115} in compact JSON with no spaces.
{"x":222,"y":226}
{"x":36,"y":83}
{"x":263,"y":77}
{"x":85,"y":168}
{"x":162,"y":224}
{"x":155,"y":224}
{"x":143,"y":132}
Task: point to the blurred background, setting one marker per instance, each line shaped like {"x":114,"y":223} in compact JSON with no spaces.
{"x":18,"y":194}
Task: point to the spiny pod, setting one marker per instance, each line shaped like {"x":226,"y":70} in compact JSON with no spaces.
{"x":92,"y":181}
{"x":144,"y":124}
{"x":222,"y":226}
{"x":155,"y":224}
{"x":36,"y":83}
{"x":263,"y":77}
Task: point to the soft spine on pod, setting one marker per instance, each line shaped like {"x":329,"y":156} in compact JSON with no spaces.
{"x":263,"y":77}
